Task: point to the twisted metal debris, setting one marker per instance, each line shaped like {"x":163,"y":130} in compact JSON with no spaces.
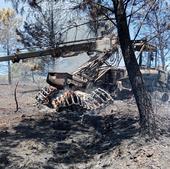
{"x":67,"y":99}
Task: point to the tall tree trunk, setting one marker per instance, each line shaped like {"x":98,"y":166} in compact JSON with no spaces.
{"x":143,"y":99}
{"x":9,"y":68}
{"x":52,"y":34}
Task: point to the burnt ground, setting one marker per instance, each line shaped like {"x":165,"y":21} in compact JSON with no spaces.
{"x":35,"y":138}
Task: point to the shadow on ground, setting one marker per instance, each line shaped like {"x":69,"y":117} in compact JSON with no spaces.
{"x":68,"y":136}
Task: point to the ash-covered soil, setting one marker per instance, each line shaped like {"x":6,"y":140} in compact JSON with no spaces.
{"x":35,"y":138}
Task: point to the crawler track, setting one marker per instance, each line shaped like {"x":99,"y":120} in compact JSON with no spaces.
{"x":52,"y":98}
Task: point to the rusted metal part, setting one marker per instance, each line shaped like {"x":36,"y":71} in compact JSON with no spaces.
{"x":91,"y":71}
{"x":74,"y":99}
{"x":43,"y":96}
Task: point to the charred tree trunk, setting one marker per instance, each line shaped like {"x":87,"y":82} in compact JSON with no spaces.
{"x":143,"y":99}
{"x":9,"y":67}
{"x":52,"y":34}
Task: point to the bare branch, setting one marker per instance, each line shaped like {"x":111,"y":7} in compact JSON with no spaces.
{"x":152,"y":6}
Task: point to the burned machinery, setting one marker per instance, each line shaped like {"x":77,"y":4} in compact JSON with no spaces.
{"x":79,"y":88}
{"x":156,"y":80}
{"x":101,"y":71}
{"x":86,"y":75}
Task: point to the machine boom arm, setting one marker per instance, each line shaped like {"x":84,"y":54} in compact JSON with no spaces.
{"x":62,"y":50}
{"x":56,"y":52}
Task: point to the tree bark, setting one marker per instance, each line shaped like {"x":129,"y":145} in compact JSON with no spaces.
{"x":9,"y":73}
{"x":143,"y":99}
{"x":9,"y":68}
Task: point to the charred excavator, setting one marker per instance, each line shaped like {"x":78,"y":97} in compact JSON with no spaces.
{"x":101,"y":72}
{"x":105,"y":57}
{"x":101,"y":69}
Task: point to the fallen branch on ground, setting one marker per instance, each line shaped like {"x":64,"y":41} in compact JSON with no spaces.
{"x":15,"y":97}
